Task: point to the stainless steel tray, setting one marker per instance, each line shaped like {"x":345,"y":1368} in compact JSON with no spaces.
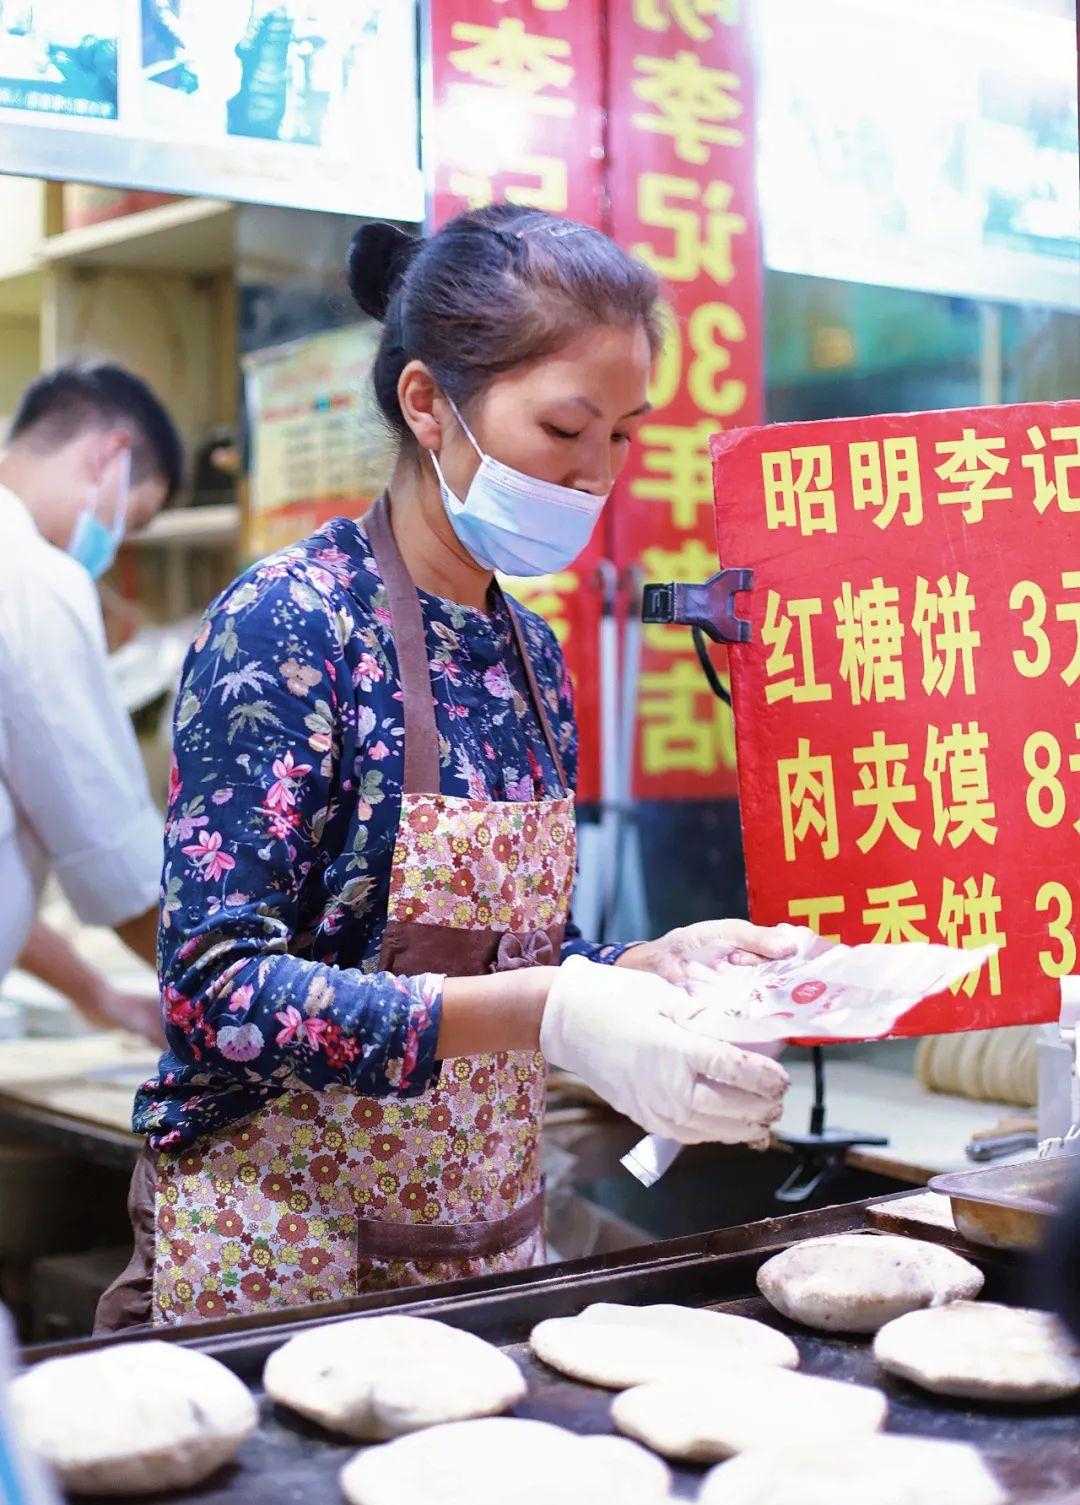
{"x":1008,"y":1206}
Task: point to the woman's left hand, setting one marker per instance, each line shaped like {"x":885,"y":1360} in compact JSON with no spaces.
{"x":669,"y":956}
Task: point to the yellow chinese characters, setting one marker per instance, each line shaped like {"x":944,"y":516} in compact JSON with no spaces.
{"x":882,"y":768}
{"x":684,"y":727}
{"x":676,"y":470}
{"x":955,"y":768}
{"x":972,"y":464}
{"x":1059,"y":491}
{"x":535,"y":72}
{"x":692,"y":17}
{"x":871,"y":634}
{"x":885,"y":477}
{"x":690,"y":103}
{"x":969,"y":918}
{"x":894,"y":913}
{"x":507,"y":56}
{"x":798,"y":485}
{"x":943,"y":621}
{"x":790,"y":673}
{"x":1034,"y":661}
{"x":812,"y":913}
{"x":808,"y":801}
{"x":701,"y":222}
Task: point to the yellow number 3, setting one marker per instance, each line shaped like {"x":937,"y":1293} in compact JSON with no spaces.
{"x":1056,"y":894}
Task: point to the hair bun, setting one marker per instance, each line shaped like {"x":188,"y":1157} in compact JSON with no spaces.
{"x":379,"y":255}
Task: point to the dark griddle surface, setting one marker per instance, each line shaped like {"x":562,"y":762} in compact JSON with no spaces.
{"x":289,"y":1462}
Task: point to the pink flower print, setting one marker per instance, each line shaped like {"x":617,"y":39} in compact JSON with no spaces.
{"x":287,"y":774}
{"x":518,"y":789}
{"x":281,"y":823}
{"x":497,"y":682}
{"x":337,"y":563}
{"x":208,"y":857}
{"x":299,"y":678}
{"x":379,"y":751}
{"x":292,"y":1026}
{"x":239,"y":998}
{"x":221,"y":796}
{"x":240,"y":1042}
{"x":185,"y":826}
{"x":383,"y":617}
{"x":367,"y":672}
{"x":176,"y":783}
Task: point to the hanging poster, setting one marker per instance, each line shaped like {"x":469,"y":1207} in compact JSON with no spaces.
{"x":908,"y":710}
{"x":59,"y":59}
{"x":319,"y":448}
{"x":306,"y":103}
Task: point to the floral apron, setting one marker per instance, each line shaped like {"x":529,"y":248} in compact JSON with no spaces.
{"x":321,"y":1196}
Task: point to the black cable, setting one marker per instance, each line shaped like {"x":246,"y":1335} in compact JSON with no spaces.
{"x":716,"y":684}
{"x":817,"y":1111}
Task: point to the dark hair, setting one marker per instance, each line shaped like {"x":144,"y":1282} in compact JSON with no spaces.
{"x":59,"y":404}
{"x":493,"y":288}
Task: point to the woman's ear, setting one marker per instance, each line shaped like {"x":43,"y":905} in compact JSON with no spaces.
{"x":421,"y":402}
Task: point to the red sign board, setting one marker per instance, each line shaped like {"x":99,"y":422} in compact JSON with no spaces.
{"x":681,"y":194}
{"x":517,"y":115}
{"x":908,"y":712}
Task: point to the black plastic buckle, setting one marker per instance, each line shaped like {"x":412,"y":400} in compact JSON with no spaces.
{"x":709,"y":607}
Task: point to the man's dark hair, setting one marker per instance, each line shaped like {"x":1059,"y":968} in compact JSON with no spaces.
{"x":59,"y":404}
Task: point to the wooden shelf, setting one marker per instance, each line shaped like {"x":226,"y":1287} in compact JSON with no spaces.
{"x":194,"y":236}
{"x":182,"y":527}
{"x":20,"y":291}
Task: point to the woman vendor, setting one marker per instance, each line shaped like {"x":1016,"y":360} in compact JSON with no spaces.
{"x":365,"y":938}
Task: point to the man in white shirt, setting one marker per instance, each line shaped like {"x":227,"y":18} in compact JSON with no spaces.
{"x":91,"y":456}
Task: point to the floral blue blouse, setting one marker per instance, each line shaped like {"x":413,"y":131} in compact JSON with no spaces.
{"x":284,"y":800}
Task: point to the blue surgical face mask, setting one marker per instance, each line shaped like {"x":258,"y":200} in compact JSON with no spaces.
{"x":93,"y":544}
{"x":515,"y":523}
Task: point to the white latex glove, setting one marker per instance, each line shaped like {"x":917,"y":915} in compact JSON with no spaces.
{"x":671,"y":955}
{"x":644,"y":1046}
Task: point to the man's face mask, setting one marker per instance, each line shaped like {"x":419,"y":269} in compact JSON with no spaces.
{"x":93,"y":543}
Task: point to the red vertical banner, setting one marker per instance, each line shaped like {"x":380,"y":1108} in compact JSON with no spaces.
{"x":681,"y":191}
{"x":516,"y":114}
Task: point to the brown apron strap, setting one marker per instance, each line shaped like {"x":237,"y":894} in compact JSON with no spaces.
{"x":534,"y":691}
{"x":421,"y":1241}
{"x":421,"y":735}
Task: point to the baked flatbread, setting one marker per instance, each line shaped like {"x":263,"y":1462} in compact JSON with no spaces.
{"x":882,"y":1470}
{"x":378,"y":1377}
{"x":136,"y":1418}
{"x":982,"y":1351}
{"x":856,"y":1282}
{"x":705,"y":1420}
{"x":504,"y":1461}
{"x":620,"y":1346}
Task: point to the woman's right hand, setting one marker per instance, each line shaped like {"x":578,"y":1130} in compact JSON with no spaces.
{"x":644,"y":1046}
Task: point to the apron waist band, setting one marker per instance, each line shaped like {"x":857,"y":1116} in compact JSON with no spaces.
{"x":420,"y":1241}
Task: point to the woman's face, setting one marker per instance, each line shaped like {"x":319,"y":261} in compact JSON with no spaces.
{"x":569,"y":417}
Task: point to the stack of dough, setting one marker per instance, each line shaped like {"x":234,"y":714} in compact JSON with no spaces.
{"x":620,"y":1346}
{"x":500,"y":1460}
{"x":378,"y":1377}
{"x":729,"y":1413}
{"x":982,"y":1351}
{"x":885,"y":1470}
{"x":856,"y":1282}
{"x":136,"y":1418}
